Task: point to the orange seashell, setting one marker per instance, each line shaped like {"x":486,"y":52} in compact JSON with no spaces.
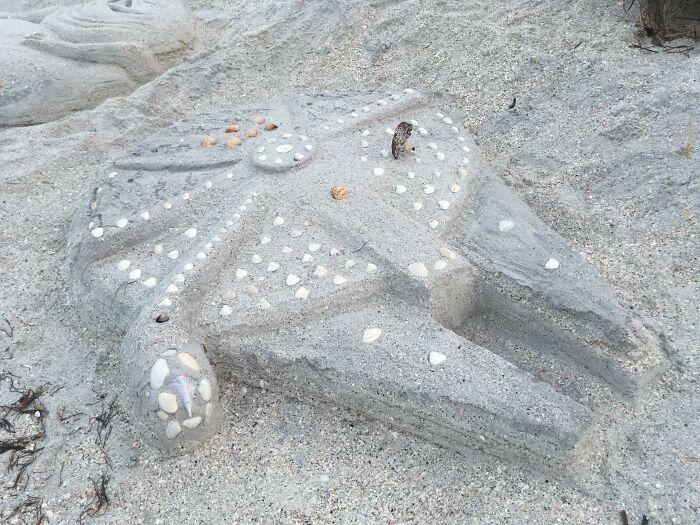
{"x":270,"y":126}
{"x":252,"y":132}
{"x":233,"y":128}
{"x":339,"y":192}
{"x":259,"y":120}
{"x":234,"y":142}
{"x":208,"y":141}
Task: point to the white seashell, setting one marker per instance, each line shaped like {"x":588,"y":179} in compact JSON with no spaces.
{"x":378,"y":171}
{"x":440,"y":155}
{"x":205,"y":389}
{"x":284,"y":148}
{"x":320,"y":271}
{"x":296,"y":233}
{"x":173,"y":429}
{"x":371,"y":335}
{"x":447,"y":120}
{"x":434,"y":224}
{"x":444,"y":204}
{"x":439,"y":115}
{"x":264,"y":304}
{"x":135,"y":274}
{"x":307,"y":258}
{"x":159,"y":371}
{"x":192,"y":422}
{"x":188,"y":267}
{"x":299,"y":156}
{"x":252,"y":290}
{"x":169,"y":353}
{"x":314,"y":247}
{"x":167,"y":205}
{"x":124,"y":265}
{"x":363,"y":159}
{"x":273,"y":267}
{"x":418,"y":269}
{"x":179,"y":278}
{"x":308,"y":147}
{"x":335,"y":251}
{"x":371,"y":268}
{"x":455,"y":188}
{"x":112,"y":175}
{"x":349,"y":263}
{"x":262,"y":158}
{"x":506,"y":225}
{"x":158,"y":249}
{"x":400,"y":189}
{"x":422,"y":131}
{"x":201,"y":255}
{"x":428,"y":189}
{"x":145,"y":215}
{"x":191,"y":233}
{"x":208,"y":411}
{"x":163,"y":416}
{"x":364,"y":144}
{"x":165,"y":302}
{"x":302,"y":293}
{"x":208,"y":246}
{"x":256,"y":259}
{"x":279,"y":221}
{"x":440,"y":264}
{"x":188,"y":361}
{"x":241,"y":274}
{"x":174,"y":254}
{"x":465,"y":160}
{"x":121,"y":223}
{"x":466,"y":149}
{"x":216,"y":238}
{"x":390,"y":131}
{"x":287,"y":249}
{"x":551,"y":264}
{"x":417,"y":206}
{"x":97,"y":232}
{"x":172,"y":289}
{"x":384,"y":153}
{"x":265,"y":240}
{"x":432,"y":145}
{"x":225,"y":310}
{"x":365,"y":133}
{"x":293,"y":279}
{"x":230,"y":295}
{"x":461,"y":138}
{"x":436,"y":358}
{"x":207,"y":184}
{"x":339,"y":279}
{"x":447,"y":253}
{"x":167,"y":402}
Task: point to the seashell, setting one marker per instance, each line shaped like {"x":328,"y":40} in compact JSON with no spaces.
{"x":188,"y":361}
{"x":191,"y":233}
{"x":418,"y":269}
{"x":279,"y":221}
{"x":320,"y":271}
{"x":121,"y":223}
{"x":551,"y":264}
{"x":447,"y":253}
{"x":205,"y":389}
{"x":241,"y":274}
{"x":225,"y":310}
{"x":184,"y":391}
{"x":159,"y":372}
{"x":234,"y":142}
{"x":440,"y":264}
{"x":259,"y":120}
{"x":173,"y":429}
{"x":230,"y":295}
{"x":135,"y":274}
{"x":428,"y":189}
{"x":192,"y":422}
{"x":284,"y":148}
{"x":273,"y":267}
{"x":124,"y":265}
{"x":301,"y":293}
{"x":339,"y":192}
{"x":378,"y":171}
{"x":233,"y":128}
{"x":270,"y":126}
{"x":251,"y":133}
{"x":158,"y":249}
{"x":417,"y":206}
{"x":97,"y":232}
{"x":339,"y":280}
{"x":167,"y":402}
{"x":444,"y":204}
{"x":307,"y":258}
{"x":400,"y":189}
{"x":371,"y":334}
{"x":436,"y":358}
{"x":371,"y":268}
{"x":506,"y":225}
{"x":208,"y":141}
{"x":256,"y":259}
{"x":314,"y":247}
{"x":293,"y":279}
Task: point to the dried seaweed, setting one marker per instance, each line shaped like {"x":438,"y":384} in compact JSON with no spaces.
{"x":102,"y":423}
{"x":99,"y":501}
{"x":30,"y":511}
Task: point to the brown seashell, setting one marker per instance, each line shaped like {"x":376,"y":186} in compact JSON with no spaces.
{"x":233,"y":128}
{"x":339,"y":192}
{"x":403,"y":132}
{"x":208,"y":141}
{"x":270,"y":126}
{"x":234,"y":142}
{"x":259,"y":120}
{"x":252,"y":132}
{"x":162,"y":318}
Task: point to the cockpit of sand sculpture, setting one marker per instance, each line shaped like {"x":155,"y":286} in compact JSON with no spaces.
{"x":58,"y":60}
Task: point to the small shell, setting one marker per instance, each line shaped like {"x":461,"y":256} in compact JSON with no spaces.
{"x":339,"y":192}
{"x":233,"y":128}
{"x":208,"y":141}
{"x":259,"y":120}
{"x":234,"y":142}
{"x":371,"y":334}
{"x":270,"y":126}
{"x":251,"y":133}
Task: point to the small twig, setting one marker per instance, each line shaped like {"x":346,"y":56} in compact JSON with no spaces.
{"x":29,"y":509}
{"x":363,"y":245}
{"x":640,"y":46}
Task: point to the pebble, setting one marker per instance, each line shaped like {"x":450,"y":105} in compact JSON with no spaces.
{"x":167,"y":205}
{"x":188,"y":361}
{"x":293,"y":279}
{"x":159,"y":371}
{"x":371,"y":335}
{"x":418,"y":269}
{"x":205,"y":389}
{"x":287,"y":249}
{"x":165,"y":302}
{"x":163,"y":416}
{"x":422,"y":131}
{"x":440,"y":156}
{"x":455,"y":188}
{"x":339,"y":279}
{"x":349,"y":263}
{"x":252,"y":290}
{"x":188,"y":267}
{"x":301,"y":293}
{"x":225,"y":310}
{"x":296,"y":233}
{"x":299,"y":156}
{"x":505,"y":225}
{"x":551,"y":264}
{"x":436,"y":358}
{"x":173,"y":429}
{"x":167,"y":402}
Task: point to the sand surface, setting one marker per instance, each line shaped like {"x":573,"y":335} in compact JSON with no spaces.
{"x":593,"y":145}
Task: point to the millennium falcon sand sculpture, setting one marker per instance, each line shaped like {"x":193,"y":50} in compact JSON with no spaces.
{"x":226,"y":240}
{"x":62,"y":59}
